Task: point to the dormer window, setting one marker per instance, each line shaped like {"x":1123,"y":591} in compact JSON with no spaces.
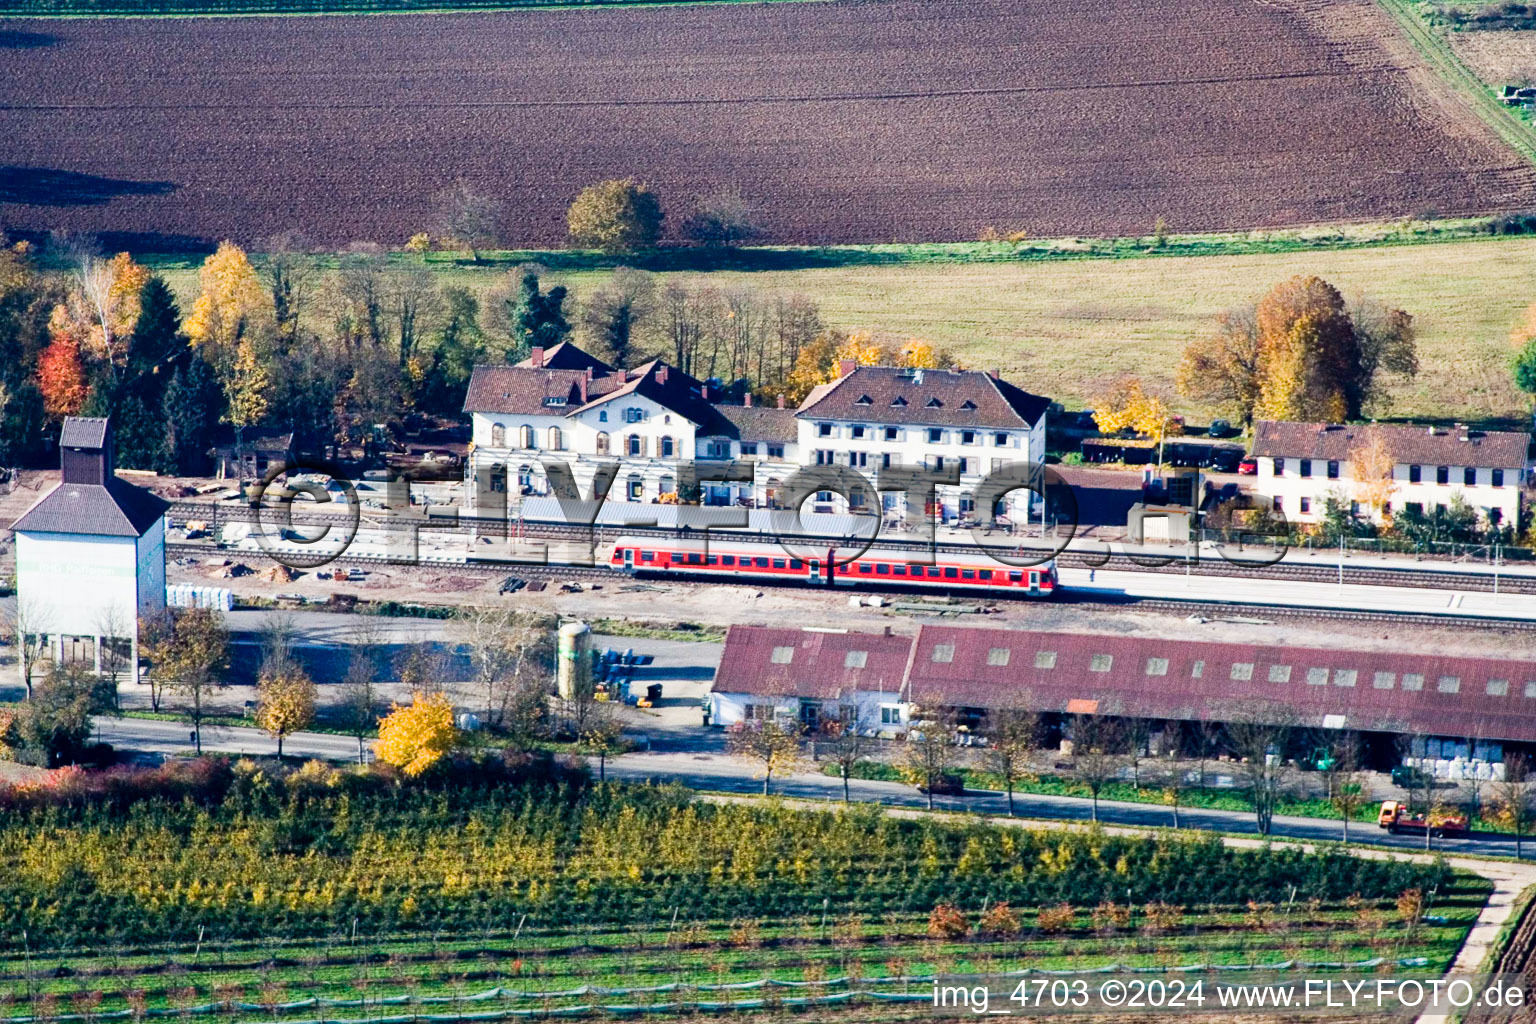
{"x":898,"y":402}
{"x":934,"y":403}
{"x":968,"y":405}
{"x":865,"y":400}
{"x":554,"y":400}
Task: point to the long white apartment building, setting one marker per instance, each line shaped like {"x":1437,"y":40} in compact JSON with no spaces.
{"x":567,"y":405}
{"x":1300,"y":465}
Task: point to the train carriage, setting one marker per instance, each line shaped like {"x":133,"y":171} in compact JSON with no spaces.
{"x":877,"y":568}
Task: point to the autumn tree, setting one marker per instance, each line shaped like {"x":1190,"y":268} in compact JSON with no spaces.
{"x":1370,"y":465}
{"x":1127,"y":405}
{"x":361,"y":703}
{"x":511,"y":656}
{"x":1260,"y":733}
{"x":773,"y":748}
{"x":723,"y":218}
{"x":232,"y":305}
{"x":55,"y":722}
{"x":1514,"y":799}
{"x":463,"y":217}
{"x":1223,"y":369}
{"x":1524,"y":369}
{"x":190,"y":654}
{"x":247,"y":391}
{"x":285,"y":702}
{"x":1011,"y":750}
{"x":615,"y":216}
{"x":1098,"y":753}
{"x":61,"y":377}
{"x":415,"y":736}
{"x":928,"y":754}
{"x":602,"y":735}
{"x":845,"y":745}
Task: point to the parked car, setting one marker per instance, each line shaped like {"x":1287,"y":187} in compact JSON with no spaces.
{"x":1248,"y":467}
{"x":1405,"y":777}
{"x":948,"y":784}
{"x":1221,"y":428}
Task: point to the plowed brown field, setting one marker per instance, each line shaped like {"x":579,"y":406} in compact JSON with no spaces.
{"x":883,"y":120}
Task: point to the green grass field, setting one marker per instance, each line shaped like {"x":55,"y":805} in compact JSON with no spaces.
{"x":1065,"y":326}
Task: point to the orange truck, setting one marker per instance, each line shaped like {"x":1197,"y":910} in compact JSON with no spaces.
{"x":1395,"y":817}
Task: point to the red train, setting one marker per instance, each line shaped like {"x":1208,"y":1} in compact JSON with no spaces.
{"x":666,"y":557}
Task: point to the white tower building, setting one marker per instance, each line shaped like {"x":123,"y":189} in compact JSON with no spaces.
{"x":90,"y":555}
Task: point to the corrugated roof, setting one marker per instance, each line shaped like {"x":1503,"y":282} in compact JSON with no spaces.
{"x":83,"y":432}
{"x":118,"y":509}
{"x":1179,"y":679}
{"x":943,"y":398}
{"x":1424,"y":446}
{"x":824,"y":666}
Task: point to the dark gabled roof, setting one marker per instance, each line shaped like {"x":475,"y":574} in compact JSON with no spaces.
{"x":1424,"y":446}
{"x":116,"y":509}
{"x":758,"y":423}
{"x":524,"y":391}
{"x":941,"y":398}
{"x":1150,"y":677}
{"x":819,"y":664}
{"x":83,"y":432}
{"x":566,"y":356}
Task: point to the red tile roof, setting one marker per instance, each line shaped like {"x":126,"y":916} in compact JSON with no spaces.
{"x":1423,"y":446}
{"x":809,"y":663}
{"x":1179,"y":679}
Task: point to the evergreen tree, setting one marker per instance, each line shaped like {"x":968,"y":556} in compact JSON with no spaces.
{"x":141,"y":438}
{"x":539,"y":317}
{"x":459,"y":346}
{"x":157,"y":346}
{"x":193,"y":404}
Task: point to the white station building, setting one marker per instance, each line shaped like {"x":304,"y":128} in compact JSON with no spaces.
{"x":90,"y":555}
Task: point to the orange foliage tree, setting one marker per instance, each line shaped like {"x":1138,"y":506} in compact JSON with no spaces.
{"x":415,"y":736}
{"x":61,"y":377}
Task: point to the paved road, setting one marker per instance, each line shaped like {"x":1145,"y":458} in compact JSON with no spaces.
{"x":716,"y":772}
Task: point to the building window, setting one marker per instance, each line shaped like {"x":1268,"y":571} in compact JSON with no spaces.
{"x":935,"y":437}
{"x":1279,"y":503}
{"x":998,"y":656}
{"x":824,"y":457}
{"x":1449,"y":684}
{"x":498,"y":436}
{"x":602,"y":443}
{"x":890,"y":714}
{"x":1197,"y":670}
{"x":1279,"y":673}
{"x":1384,"y":680}
{"x":602,"y":415}
{"x":967,"y":437}
{"x":1469,"y":476}
{"x":1306,"y":505}
{"x":1413,"y":682}
{"x":1497,"y":478}
{"x":1242,"y":670}
{"x":823,"y":430}
{"x":855,"y":659}
{"x":636,"y":445}
{"x":775,"y":451}
{"x":1345,"y":676}
{"x":749,"y":450}
{"x":1279,"y":467}
{"x":891,"y":433}
{"x":1333,"y":469}
{"x":1317,"y":677}
{"x":1416,"y":507}
{"x":1157,"y":666}
{"x":525,"y":437}
{"x":633,"y":415}
{"x":1000,"y":440}
{"x":965,"y":466}
{"x":782,"y":655}
{"x":858,"y":459}
{"x":1498,"y":687}
{"x":1101,"y":663}
{"x":1415,"y":474}
{"x":666,"y":447}
{"x":1304,"y":470}
{"x":1530,"y":688}
{"x":636,"y":488}
{"x":669,"y":486}
{"x":1045,"y":659}
{"x":936,"y":463}
{"x":943,"y":654}
{"x":856,"y":431}
{"x":556,"y":441}
{"x":1442,"y":474}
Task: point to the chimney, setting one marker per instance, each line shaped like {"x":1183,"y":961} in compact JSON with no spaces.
{"x":85,"y":450}
{"x":536,"y":357}
{"x":661,"y":374}
{"x":781,"y":399}
{"x":589,"y":373}
{"x":746,"y":400}
{"x":582,"y":384}
{"x":704,"y":392}
{"x":846,"y":366}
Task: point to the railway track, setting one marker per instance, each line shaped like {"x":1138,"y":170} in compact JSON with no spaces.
{"x":1293,"y":570}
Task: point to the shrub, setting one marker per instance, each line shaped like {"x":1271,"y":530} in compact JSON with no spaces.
{"x":1162,"y":918}
{"x":615,"y":216}
{"x":1109,"y":917}
{"x":946,"y":922}
{"x":1057,"y":919}
{"x":1000,"y":920}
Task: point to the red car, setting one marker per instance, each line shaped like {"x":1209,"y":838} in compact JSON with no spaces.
{"x":1248,"y":467}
